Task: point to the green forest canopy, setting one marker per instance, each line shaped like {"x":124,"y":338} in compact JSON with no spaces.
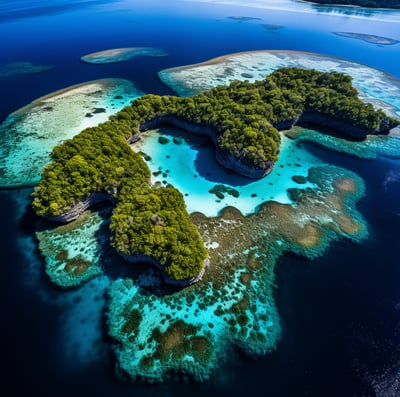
{"x":243,"y":116}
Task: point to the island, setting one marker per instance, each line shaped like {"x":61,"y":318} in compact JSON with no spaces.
{"x":150,"y":223}
{"x":360,"y":3}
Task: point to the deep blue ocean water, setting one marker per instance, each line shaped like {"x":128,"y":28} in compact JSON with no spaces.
{"x":340,"y":314}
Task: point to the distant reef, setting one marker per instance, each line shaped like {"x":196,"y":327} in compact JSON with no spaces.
{"x":122,"y":54}
{"x":14,"y":68}
{"x":242,"y":120}
{"x":244,"y":18}
{"x":369,"y":38}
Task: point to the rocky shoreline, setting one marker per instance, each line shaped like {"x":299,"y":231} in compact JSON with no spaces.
{"x":81,"y":206}
{"x":329,"y":122}
{"x":96,"y":198}
{"x":142,"y":258}
{"x":227,"y":160}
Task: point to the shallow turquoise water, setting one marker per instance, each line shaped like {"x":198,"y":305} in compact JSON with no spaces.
{"x":28,"y":135}
{"x":193,"y":170}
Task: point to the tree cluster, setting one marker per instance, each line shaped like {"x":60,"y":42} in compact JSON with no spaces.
{"x":245,"y":115}
{"x":96,"y":160}
{"x":154,"y":221}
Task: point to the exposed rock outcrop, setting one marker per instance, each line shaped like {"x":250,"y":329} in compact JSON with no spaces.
{"x":81,"y":206}
{"x":142,"y":258}
{"x":326,"y":121}
{"x":226,"y":159}
{"x":231,"y":162}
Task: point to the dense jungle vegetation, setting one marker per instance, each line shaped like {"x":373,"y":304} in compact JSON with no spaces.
{"x":245,"y":115}
{"x":153,"y":220}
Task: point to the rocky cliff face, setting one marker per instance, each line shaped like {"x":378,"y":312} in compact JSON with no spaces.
{"x":198,"y":129}
{"x":339,"y":125}
{"x":325,"y":121}
{"x":141,"y":258}
{"x":81,"y":206}
{"x":225,"y":159}
{"x":229,"y":161}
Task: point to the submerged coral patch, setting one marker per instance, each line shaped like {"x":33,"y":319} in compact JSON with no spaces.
{"x":72,"y":251}
{"x":29,"y":134}
{"x":272,"y":27}
{"x":14,"y":68}
{"x":190,"y":330}
{"x":369,"y":148}
{"x":122,"y":54}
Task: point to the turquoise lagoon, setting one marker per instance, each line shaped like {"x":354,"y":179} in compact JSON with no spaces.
{"x":191,"y":167}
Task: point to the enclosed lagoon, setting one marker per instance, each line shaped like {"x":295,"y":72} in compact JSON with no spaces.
{"x":188,"y":162}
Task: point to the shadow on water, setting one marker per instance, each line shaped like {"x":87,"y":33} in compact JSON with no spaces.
{"x":205,"y":163}
{"x":114,"y":267}
{"x":145,"y":276}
